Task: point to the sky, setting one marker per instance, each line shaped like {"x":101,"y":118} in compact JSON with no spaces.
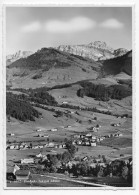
{"x":31,"y":28}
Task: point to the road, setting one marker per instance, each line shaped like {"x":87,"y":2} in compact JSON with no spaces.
{"x":48,"y":180}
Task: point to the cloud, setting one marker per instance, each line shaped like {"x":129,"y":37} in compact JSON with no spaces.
{"x":112,"y":23}
{"x":74,"y":25}
{"x":32,"y":27}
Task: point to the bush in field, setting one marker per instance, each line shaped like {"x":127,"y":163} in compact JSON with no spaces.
{"x":66,"y":156}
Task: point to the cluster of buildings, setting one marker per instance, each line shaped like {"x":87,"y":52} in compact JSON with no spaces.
{"x":115,"y":124}
{"x":24,"y":146}
{"x":91,"y":140}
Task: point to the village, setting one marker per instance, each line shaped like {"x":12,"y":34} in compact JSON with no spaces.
{"x":79,"y":139}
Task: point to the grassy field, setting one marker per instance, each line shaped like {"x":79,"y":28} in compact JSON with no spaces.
{"x":111,"y":148}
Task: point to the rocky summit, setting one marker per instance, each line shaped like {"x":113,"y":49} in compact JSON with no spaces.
{"x":19,"y":54}
{"x":97,"y":50}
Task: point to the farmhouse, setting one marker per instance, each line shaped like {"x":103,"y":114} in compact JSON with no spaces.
{"x":93,"y":144}
{"x":87,"y":143}
{"x":39,"y":155}
{"x":22,"y":175}
{"x":16,"y":147}
{"x":35,"y":147}
{"x":51,"y":145}
{"x":54,"y":129}
{"x":11,"y":147}
{"x":64,"y":102}
{"x":79,"y":142}
{"x":88,"y":135}
{"x":102,"y":164}
{"x":38,"y":130}
{"x":94,"y":137}
{"x":27,"y":161}
{"x":40,"y":146}
{"x":93,"y":165}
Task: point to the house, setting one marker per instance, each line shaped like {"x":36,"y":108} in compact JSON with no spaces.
{"x":76,"y":136}
{"x":98,"y":160}
{"x":21,"y":146}
{"x":79,"y":142}
{"x":85,"y":158}
{"x":64,"y":145}
{"x":27,"y":160}
{"x":54,"y":129}
{"x":93,"y":144}
{"x":74,"y":143}
{"x":87,"y":143}
{"x":38,"y":130}
{"x":56,"y":146}
{"x":64,"y":102}
{"x":102,"y":164}
{"x":82,"y":136}
{"x":40,"y":146}
{"x":35,"y":147}
{"x":68,"y":126}
{"x":51,"y":145}
{"x":22,"y":175}
{"x":46,"y":145}
{"x":46,"y":136}
{"x":72,"y":112}
{"x":60,"y":146}
{"x":16,"y":147}
{"x":39,"y":155}
{"x":88,"y":135}
{"x":93,"y":165}
{"x":94,"y":128}
{"x":11,"y":147}
{"x":10,"y":134}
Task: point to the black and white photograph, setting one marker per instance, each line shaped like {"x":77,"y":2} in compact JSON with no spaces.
{"x":69,"y":97}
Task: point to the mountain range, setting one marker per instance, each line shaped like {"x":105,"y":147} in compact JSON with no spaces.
{"x":51,"y":66}
{"x":19,"y":54}
{"x":95,"y":50}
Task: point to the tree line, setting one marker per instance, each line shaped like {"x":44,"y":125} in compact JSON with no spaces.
{"x":19,"y":109}
{"x":104,"y":93}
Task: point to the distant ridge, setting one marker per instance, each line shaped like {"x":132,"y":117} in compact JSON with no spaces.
{"x":97,"y":50}
{"x":19,"y":54}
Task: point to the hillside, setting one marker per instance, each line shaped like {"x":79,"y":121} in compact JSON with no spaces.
{"x":117,"y":65}
{"x":51,"y":66}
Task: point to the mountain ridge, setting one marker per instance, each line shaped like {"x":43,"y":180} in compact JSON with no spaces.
{"x":97,"y":50}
